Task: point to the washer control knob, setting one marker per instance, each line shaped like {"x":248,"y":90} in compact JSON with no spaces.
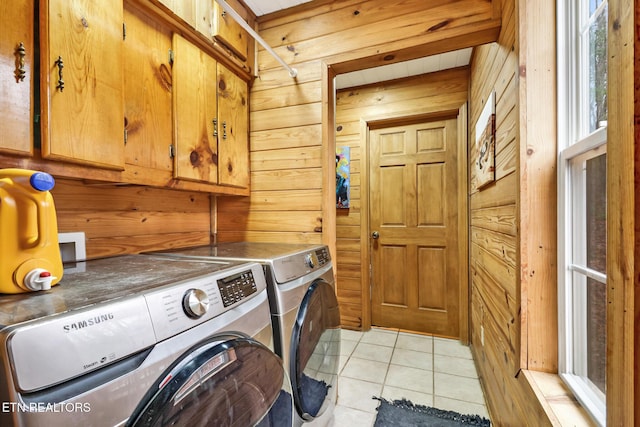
{"x":195,"y":303}
{"x":310,"y":260}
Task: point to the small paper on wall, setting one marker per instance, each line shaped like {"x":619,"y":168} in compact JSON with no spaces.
{"x":343,"y":171}
{"x":486,"y":144}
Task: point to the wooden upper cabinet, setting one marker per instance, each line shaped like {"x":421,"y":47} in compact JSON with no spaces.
{"x":148,"y":87}
{"x":229,"y":32}
{"x":195,"y":113}
{"x":16,"y":77}
{"x":82,"y":87}
{"x":233,"y":136}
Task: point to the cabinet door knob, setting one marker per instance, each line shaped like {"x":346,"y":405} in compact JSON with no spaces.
{"x":60,"y":65}
{"x":375,"y":235}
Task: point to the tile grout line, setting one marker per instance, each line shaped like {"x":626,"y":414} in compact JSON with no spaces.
{"x":433,"y":371}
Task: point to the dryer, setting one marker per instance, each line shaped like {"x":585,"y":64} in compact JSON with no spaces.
{"x":305,"y":316}
{"x":140,"y":340}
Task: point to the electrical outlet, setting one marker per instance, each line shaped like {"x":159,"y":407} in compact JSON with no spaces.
{"x":482,"y":335}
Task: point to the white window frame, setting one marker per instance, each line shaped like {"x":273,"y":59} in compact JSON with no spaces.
{"x":573,"y":149}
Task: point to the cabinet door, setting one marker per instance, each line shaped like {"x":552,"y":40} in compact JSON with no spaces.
{"x":185,"y":9}
{"x":229,"y":32}
{"x":233,"y":137}
{"x":195,"y":113}
{"x":16,"y":36}
{"x":82,"y":88}
{"x":147,"y":81}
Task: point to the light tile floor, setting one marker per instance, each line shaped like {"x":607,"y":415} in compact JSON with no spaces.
{"x":427,"y":370}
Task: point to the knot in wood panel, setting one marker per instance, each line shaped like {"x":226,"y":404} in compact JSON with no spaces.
{"x":439,"y":25}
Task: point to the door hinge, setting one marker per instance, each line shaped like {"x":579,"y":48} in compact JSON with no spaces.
{"x":171,"y":57}
{"x":172,"y":151}
{"x":124,"y":31}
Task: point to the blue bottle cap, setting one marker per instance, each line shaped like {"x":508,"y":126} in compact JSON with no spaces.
{"x":42,"y":181}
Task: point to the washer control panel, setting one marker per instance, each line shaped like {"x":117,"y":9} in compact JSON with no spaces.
{"x":181,"y":306}
{"x":237,"y":287}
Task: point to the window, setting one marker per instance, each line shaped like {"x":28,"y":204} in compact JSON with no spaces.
{"x":582,"y":204}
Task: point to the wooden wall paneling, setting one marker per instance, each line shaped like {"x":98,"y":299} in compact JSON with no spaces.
{"x":130,"y":219}
{"x":279,"y":78}
{"x":501,"y":219}
{"x":499,"y":194}
{"x":303,"y":237}
{"x":501,"y":273}
{"x":297,"y":179}
{"x":502,"y":308}
{"x":495,"y":220}
{"x":500,"y":245}
{"x":268,"y":220}
{"x":279,"y":97}
{"x":492,"y":365}
{"x":291,"y":116}
{"x":297,"y":136}
{"x":273,"y":200}
{"x":289,"y":158}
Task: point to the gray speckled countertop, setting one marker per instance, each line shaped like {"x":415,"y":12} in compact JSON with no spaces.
{"x":99,"y":281}
{"x":254,"y":251}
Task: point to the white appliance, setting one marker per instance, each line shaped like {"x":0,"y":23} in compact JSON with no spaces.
{"x":305,"y":316}
{"x":143,"y":340}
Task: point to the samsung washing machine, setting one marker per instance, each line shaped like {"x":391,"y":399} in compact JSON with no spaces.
{"x":140,"y":340}
{"x":305,"y":316}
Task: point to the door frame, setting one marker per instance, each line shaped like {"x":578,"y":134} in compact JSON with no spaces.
{"x":374,"y":122}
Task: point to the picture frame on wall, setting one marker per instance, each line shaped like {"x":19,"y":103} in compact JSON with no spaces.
{"x":343,"y":172}
{"x":485,"y":163}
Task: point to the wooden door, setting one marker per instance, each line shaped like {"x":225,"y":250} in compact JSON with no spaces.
{"x":148,"y":82}
{"x":413,"y":209}
{"x":233,"y":136}
{"x":195,"y":113}
{"x":16,"y":36}
{"x":82,"y":89}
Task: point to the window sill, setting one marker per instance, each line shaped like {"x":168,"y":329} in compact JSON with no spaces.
{"x":556,"y":399}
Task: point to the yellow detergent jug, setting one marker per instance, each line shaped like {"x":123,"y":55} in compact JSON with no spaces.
{"x":30,"y":257}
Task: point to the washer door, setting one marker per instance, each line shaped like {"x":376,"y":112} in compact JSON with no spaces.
{"x":225,"y":380}
{"x":315,"y":351}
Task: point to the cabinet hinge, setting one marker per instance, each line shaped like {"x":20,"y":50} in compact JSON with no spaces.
{"x":170,"y":57}
{"x":124,"y":31}
{"x":172,"y":152}
{"x":126,"y":136}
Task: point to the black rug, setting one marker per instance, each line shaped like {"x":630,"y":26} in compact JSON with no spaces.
{"x":403,"y":413}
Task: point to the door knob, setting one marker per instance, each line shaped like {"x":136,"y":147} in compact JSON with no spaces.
{"x":375,"y":234}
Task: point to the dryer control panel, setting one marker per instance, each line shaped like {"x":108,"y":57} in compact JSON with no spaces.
{"x":293,"y":266}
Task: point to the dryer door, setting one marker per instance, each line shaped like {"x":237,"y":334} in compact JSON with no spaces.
{"x":315,"y":351}
{"x":225,"y":380}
